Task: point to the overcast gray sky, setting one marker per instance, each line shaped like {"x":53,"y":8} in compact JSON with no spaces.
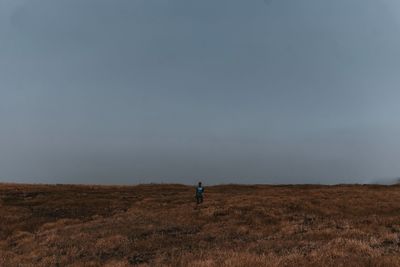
{"x":226,"y":91}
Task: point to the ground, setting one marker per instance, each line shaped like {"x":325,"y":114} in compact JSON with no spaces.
{"x":237,"y":225}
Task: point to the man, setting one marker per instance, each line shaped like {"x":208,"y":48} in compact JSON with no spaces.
{"x":199,"y":193}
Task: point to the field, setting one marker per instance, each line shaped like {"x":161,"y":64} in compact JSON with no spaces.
{"x":160,"y":225}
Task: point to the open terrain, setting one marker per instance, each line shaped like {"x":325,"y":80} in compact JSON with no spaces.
{"x":160,"y":225}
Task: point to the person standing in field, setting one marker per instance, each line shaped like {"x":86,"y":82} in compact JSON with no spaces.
{"x":199,"y":193}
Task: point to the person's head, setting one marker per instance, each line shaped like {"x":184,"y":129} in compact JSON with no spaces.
{"x":199,"y":184}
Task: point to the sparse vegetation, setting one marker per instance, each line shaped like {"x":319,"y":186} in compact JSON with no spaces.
{"x":160,"y":225}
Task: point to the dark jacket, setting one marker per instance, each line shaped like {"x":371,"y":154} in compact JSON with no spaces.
{"x":199,"y":191}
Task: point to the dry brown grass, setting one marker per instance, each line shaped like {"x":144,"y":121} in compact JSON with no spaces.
{"x":160,"y":225}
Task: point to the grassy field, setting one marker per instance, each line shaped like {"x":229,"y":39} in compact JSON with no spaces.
{"x":160,"y":225}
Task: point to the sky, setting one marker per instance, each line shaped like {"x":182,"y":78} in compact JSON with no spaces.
{"x":226,"y":91}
